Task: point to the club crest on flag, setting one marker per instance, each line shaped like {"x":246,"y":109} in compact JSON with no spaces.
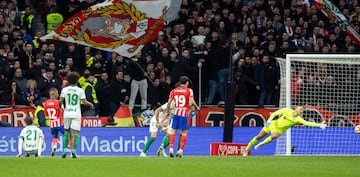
{"x":121,"y":26}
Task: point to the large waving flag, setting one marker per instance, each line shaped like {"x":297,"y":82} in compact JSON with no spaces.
{"x":124,"y":26}
{"x":335,"y":15}
{"x":173,"y":10}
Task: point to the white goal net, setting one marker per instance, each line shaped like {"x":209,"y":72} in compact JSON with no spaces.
{"x":329,"y":87}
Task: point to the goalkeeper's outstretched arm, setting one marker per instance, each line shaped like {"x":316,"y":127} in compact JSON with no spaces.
{"x":321,"y":125}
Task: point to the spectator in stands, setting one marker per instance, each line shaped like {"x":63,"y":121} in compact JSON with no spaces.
{"x":35,"y":72}
{"x":27,"y":20}
{"x":119,"y":64}
{"x":222,"y":62}
{"x":55,"y":53}
{"x":11,"y":11}
{"x":43,"y":50}
{"x":19,"y":78}
{"x":53,"y":20}
{"x":18,"y":46}
{"x":267,"y":80}
{"x":32,"y":94}
{"x":98,"y":58}
{"x":5,"y":43}
{"x":62,"y":75}
{"x":120,"y":92}
{"x":97,"y":69}
{"x":27,"y":57}
{"x":47,"y":81}
{"x":82,"y":78}
{"x":174,"y":44}
{"x":160,"y":71}
{"x":242,"y":83}
{"x":13,"y":95}
{"x":25,"y":36}
{"x":154,"y":93}
{"x":183,"y":67}
{"x":37,"y":41}
{"x":138,"y":81}
{"x":47,"y":59}
{"x":174,"y":57}
{"x":70,"y":62}
{"x":91,"y":96}
{"x":104,"y":93}
{"x":71,"y":51}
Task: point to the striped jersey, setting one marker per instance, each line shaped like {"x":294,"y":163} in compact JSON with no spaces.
{"x":181,"y":97}
{"x":52,"y":111}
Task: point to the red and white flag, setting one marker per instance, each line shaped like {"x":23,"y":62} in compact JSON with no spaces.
{"x":123,"y":26}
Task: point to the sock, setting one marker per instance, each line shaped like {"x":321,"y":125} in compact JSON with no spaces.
{"x":165,"y":141}
{"x":172,"y":140}
{"x":148,"y":143}
{"x":54,"y":142}
{"x":71,"y":142}
{"x":76,"y":138}
{"x":267,"y":140}
{"x":179,"y":142}
{"x":66,"y":140}
{"x":251,"y":143}
{"x":182,"y":141}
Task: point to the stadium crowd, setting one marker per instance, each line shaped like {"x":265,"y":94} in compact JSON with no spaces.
{"x":249,"y":32}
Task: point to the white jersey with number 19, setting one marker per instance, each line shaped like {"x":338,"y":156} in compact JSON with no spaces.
{"x":72,"y":95}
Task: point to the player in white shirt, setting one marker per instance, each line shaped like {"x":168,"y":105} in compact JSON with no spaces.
{"x":31,"y":140}
{"x":156,"y":122}
{"x":72,"y":96}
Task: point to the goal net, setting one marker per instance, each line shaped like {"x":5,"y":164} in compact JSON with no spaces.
{"x":329,"y":87}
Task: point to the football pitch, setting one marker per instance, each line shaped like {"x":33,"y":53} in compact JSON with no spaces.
{"x":197,"y":166}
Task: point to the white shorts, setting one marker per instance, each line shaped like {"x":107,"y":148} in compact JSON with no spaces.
{"x":73,"y":123}
{"x":153,"y":128}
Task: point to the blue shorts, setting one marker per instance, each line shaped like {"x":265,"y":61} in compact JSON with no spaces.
{"x":55,"y":131}
{"x":180,"y":122}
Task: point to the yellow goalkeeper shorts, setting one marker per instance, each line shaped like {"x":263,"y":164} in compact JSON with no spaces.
{"x":273,"y":128}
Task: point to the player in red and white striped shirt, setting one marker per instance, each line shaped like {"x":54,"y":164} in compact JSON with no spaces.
{"x":183,"y":98}
{"x":53,"y":112}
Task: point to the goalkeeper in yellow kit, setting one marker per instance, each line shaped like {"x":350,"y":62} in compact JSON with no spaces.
{"x":278,"y":123}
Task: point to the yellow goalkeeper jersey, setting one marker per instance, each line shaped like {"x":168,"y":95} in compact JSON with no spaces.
{"x":283,"y":119}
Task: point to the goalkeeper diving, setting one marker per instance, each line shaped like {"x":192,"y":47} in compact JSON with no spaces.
{"x":278,"y":123}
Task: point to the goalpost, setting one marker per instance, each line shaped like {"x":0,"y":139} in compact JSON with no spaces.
{"x":329,"y":87}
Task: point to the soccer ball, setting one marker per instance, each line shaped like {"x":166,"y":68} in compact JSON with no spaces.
{"x":357,"y":129}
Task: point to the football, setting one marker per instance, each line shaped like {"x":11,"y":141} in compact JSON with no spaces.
{"x":357,"y":129}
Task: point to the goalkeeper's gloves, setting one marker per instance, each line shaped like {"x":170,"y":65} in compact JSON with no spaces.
{"x":322,"y":125}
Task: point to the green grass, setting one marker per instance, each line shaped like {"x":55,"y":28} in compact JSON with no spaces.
{"x":253,"y":166}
